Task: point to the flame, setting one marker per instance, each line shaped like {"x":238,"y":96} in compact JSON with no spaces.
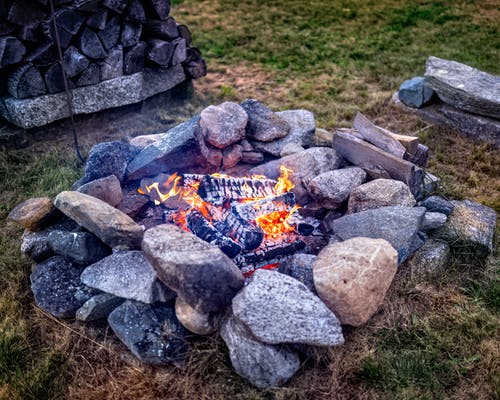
{"x":284,"y":184}
{"x":276,"y":223}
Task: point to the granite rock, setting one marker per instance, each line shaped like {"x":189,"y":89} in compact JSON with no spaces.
{"x":231,"y":156}
{"x":132,"y":204}
{"x":322,"y":138}
{"x":107,"y":189}
{"x":143,"y":141}
{"x":437,"y":204}
{"x":431,"y":259}
{"x":195,"y":321}
{"x":433,"y":220}
{"x":34,"y":214}
{"x":415,"y":92}
{"x":263,"y":124}
{"x":80,"y":247}
{"x":224,"y":124}
{"x":291,"y":148}
{"x":300,"y":267}
{"x":98,"y":307}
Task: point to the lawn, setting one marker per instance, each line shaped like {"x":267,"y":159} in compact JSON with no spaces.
{"x":432,"y":338}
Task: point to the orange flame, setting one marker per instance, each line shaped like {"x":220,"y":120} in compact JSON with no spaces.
{"x":276,"y":223}
{"x":284,"y":184}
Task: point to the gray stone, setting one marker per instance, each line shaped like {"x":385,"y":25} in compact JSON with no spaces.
{"x":98,"y":307}
{"x":431,"y":259}
{"x":398,"y":225}
{"x":107,"y":189}
{"x":279,"y":309}
{"x":150,"y":331}
{"x":332,"y":188}
{"x":291,"y":148}
{"x":252,"y":157}
{"x":469,"y":223}
{"x":80,"y":247}
{"x":132,"y":204}
{"x":199,"y":272}
{"x":323,"y":138}
{"x":437,"y":204}
{"x":263,"y":365}
{"x":212,"y":154}
{"x":127,"y":274}
{"x":433,"y":220}
{"x":113,"y":227}
{"x":108,"y":158}
{"x":177,"y":150}
{"x":415,"y":92}
{"x":380,"y":193}
{"x":231,"y":156}
{"x":34,"y":214}
{"x":464,"y":87}
{"x":263,"y":124}
{"x":224,"y":124}
{"x":127,"y":89}
{"x":57,"y":287}
{"x":300,"y":267}
{"x":302,"y":127}
{"x":195,"y":321}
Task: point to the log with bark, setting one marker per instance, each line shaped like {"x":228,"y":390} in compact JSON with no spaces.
{"x":26,"y":81}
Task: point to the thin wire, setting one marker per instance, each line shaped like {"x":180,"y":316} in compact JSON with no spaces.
{"x":69,"y":96}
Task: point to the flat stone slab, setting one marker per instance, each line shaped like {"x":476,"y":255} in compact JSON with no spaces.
{"x":127,"y":89}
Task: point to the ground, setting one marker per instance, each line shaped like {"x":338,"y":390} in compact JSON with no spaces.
{"x":432,"y":338}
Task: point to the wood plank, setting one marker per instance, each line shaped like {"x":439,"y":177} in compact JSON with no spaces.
{"x":371,"y":133}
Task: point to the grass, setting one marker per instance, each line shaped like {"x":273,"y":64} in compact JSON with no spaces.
{"x":432,"y":338}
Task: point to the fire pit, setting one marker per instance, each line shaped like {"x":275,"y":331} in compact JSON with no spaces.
{"x":237,"y":222}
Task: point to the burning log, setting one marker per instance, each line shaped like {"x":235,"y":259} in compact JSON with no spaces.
{"x":254,"y":209}
{"x":246,"y":234}
{"x":202,"y":228}
{"x":215,"y":190}
{"x":304,"y":226}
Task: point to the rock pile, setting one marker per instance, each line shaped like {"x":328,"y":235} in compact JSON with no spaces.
{"x":104,"y":250}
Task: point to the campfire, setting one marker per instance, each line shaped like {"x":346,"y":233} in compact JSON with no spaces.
{"x":253,"y":220}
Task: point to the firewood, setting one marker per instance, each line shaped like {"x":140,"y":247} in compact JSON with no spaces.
{"x":133,"y":58}
{"x":378,"y":137}
{"x":158,"y":9}
{"x":30,"y":34}
{"x":112,"y":65}
{"x":269,"y":251}
{"x":420,"y":156}
{"x":90,"y":76}
{"x":69,"y":20}
{"x":160,"y":51}
{"x":74,"y":62}
{"x":26,"y":81}
{"x":135,"y":12}
{"x":90,"y":45}
{"x":131,"y":33}
{"x":116,"y":5}
{"x":166,"y":29}
{"x":97,"y":19}
{"x":54,"y":79}
{"x":43,"y":55}
{"x":5,"y":28}
{"x":247,"y":235}
{"x":179,"y":54}
{"x":11,"y":51}
{"x":110,"y":34}
{"x":25,"y":13}
{"x":185,"y":33}
{"x":254,"y":209}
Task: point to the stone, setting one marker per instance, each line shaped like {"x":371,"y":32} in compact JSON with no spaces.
{"x":80,"y":247}
{"x":34,"y":214}
{"x":398,"y":225}
{"x":437,"y":204}
{"x":98,"y":307}
{"x":127,"y":274}
{"x":113,"y":227}
{"x":464,"y":87}
{"x":150,"y":331}
{"x":332,"y":188}
{"x":252,"y":157}
{"x":415,"y":92}
{"x":224,"y":124}
{"x":431,"y":259}
{"x":300,"y":267}
{"x":197,"y":271}
{"x":132,"y":204}
{"x":143,"y":141}
{"x":277,"y":308}
{"x":291,"y":148}
{"x":176,"y":151}
{"x":322,"y":138}
{"x":263,"y":124}
{"x":231,"y":156}
{"x":380,"y":193}
{"x":107,"y":189}
{"x":302,"y":127}
{"x":469,"y":223}
{"x":305,"y":165}
{"x":127,"y":89}
{"x":195,"y":321}
{"x":57,"y":287}
{"x":352,"y":277}
{"x":263,"y":365}
{"x":105,"y":159}
{"x":212,"y":154}
{"x":433,"y":220}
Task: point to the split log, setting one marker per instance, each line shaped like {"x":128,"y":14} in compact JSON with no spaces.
{"x":158,"y":9}
{"x":135,"y":12}
{"x":185,"y":33}
{"x":304,"y":226}
{"x":90,"y":45}
{"x":410,"y":143}
{"x":90,"y":76}
{"x":249,"y":236}
{"x":25,"y":13}
{"x":217,"y":190}
{"x":270,"y":251}
{"x":74,"y":62}
{"x":54,"y":79}
{"x":110,"y":34}
{"x":204,"y":230}
{"x":5,"y":28}
{"x":369,"y":157}
{"x":11,"y":51}
{"x":179,"y":54}
{"x":26,"y":81}
{"x":30,"y":34}
{"x":133,"y":59}
{"x":251,"y":210}
{"x":420,"y":156}
{"x":70,"y":20}
{"x":45,"y":54}
{"x":116,"y":5}
{"x":160,"y":51}
{"x":372,"y":134}
{"x":112,"y":65}
{"x":97,"y":19}
{"x":195,"y":70}
{"x":193,"y":54}
{"x":166,"y":30}
{"x":131,"y":33}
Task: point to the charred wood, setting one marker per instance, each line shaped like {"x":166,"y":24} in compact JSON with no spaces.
{"x":246,"y":234}
{"x":254,"y":209}
{"x":270,"y":251}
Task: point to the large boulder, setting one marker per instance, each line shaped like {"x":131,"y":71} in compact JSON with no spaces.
{"x":113,"y":227}
{"x":150,"y":331}
{"x":380,"y":193}
{"x":199,"y":272}
{"x":57,"y":287}
{"x":279,"y":309}
{"x":264,"y":365}
{"x":263,"y":124}
{"x":127,"y":274}
{"x":400,"y":226}
{"x":352,"y":277}
{"x":34,"y":214}
{"x":223,"y":125}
